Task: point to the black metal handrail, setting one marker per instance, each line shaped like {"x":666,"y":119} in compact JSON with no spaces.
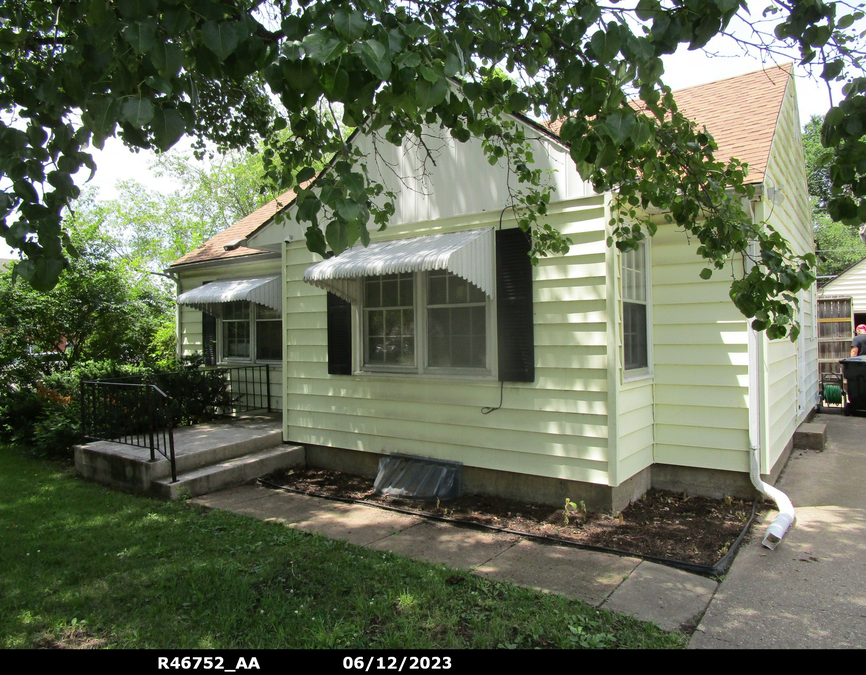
{"x":231,"y":389}
{"x":131,"y":413}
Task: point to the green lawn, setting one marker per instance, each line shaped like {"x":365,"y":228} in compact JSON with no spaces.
{"x":82,"y":565}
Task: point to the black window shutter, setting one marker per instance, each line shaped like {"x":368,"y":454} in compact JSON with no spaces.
{"x":339,"y":336}
{"x":514,"y":315}
{"x":209,"y":338}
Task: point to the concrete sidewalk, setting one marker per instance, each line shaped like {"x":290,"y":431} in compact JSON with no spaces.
{"x":811,"y":591}
{"x":672,"y":598}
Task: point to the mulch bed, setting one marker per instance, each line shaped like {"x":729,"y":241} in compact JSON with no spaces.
{"x":662,"y":524}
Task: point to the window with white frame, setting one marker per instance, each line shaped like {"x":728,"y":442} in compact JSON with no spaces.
{"x":250,"y":332}
{"x":635,"y":310}
{"x":425,"y":322}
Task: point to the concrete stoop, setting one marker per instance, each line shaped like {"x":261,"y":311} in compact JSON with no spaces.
{"x":204,"y":463}
{"x":229,"y":473}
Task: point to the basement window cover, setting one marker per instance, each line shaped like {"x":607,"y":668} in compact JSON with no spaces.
{"x":469,"y":255}
{"x":419,"y":478}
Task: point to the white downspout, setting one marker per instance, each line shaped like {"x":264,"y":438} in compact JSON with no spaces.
{"x":787,"y":516}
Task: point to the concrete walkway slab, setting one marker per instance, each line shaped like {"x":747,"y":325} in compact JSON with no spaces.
{"x":458,"y":547}
{"x":672,"y":598}
{"x":360,"y":525}
{"x":354,"y":523}
{"x":810,"y":592}
{"x":229,"y":498}
{"x":586,"y":575}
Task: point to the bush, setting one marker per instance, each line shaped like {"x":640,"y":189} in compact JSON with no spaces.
{"x":20,"y":409}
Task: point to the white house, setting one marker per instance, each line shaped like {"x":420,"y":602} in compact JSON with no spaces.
{"x":851,"y":283}
{"x":592,"y":376}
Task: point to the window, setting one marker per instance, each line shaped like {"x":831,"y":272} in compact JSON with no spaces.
{"x":250,"y":332}
{"x":419,"y":317}
{"x":635,"y":304}
{"x":424,"y":321}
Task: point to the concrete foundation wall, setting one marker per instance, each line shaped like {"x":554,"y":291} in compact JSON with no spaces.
{"x":538,"y":489}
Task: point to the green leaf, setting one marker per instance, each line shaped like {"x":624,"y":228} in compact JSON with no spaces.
{"x":350,"y":25}
{"x":337,"y":236}
{"x":408,"y":60}
{"x":322,"y":48}
{"x":26,"y":191}
{"x":308,"y":208}
{"x":349,"y":211}
{"x":142,"y":35}
{"x":354,"y":183}
{"x":375,"y":57}
{"x":136,"y":9}
{"x":646,"y":10}
{"x":831,"y":70}
{"x":606,"y":45}
{"x":472,"y":91}
{"x":316,"y":241}
{"x":453,"y":65}
{"x":221,"y":37}
{"x":834,"y":116}
{"x":168,"y":126}
{"x":430,"y":95}
{"x":305,"y":174}
{"x":619,"y":126}
{"x":175,"y":20}
{"x":138,"y":111}
{"x":335,"y":82}
{"x":706,"y":273}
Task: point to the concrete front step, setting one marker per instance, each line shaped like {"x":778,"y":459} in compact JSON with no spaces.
{"x":228,"y":473}
{"x":228,"y":448}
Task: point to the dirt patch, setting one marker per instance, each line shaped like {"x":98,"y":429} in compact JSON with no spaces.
{"x":70,"y":637}
{"x":661,"y":524}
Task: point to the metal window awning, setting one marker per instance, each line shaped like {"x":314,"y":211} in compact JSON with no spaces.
{"x":469,"y":255}
{"x":210,"y":297}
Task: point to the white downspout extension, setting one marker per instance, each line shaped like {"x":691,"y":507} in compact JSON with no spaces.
{"x":787,"y":516}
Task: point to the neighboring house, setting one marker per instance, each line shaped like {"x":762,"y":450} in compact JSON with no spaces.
{"x":593,"y":376}
{"x":851,"y":283}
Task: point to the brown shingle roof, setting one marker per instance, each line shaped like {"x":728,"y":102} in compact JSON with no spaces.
{"x":741,"y":113}
{"x":213,"y":249}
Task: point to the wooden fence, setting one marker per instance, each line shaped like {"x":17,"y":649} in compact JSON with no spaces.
{"x":835,"y":330}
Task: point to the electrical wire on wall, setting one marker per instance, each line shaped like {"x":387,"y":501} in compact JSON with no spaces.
{"x":487,"y":410}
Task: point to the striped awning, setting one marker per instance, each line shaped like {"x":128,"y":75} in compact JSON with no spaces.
{"x":209,"y":297}
{"x":469,"y":255}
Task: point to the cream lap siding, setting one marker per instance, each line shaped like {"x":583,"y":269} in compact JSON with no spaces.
{"x":700,"y":355}
{"x":191,"y":331}
{"x":634,"y":429}
{"x":555,"y":426}
{"x":786,"y":375}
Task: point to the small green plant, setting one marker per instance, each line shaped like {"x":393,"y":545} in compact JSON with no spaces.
{"x":573,"y":509}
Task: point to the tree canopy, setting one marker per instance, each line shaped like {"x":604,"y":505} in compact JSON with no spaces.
{"x":102,"y":309}
{"x":231,"y":72}
{"x":838,"y":243}
{"x":151,"y":228}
